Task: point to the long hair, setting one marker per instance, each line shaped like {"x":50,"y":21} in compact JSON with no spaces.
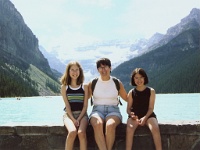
{"x":66,"y":79}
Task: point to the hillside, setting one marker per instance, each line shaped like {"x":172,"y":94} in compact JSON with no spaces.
{"x":20,"y":59}
{"x":172,"y":68}
{"x":172,"y":64}
{"x":16,"y":82}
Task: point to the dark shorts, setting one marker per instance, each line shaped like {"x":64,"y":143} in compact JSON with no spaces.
{"x":152,"y":115}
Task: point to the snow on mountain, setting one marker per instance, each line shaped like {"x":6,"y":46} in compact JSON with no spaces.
{"x":117,"y":51}
{"x":54,"y":62}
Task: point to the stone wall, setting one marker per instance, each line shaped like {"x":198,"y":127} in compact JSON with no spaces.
{"x":175,"y":136}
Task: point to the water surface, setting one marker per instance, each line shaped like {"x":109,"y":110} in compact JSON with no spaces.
{"x":49,"y":110}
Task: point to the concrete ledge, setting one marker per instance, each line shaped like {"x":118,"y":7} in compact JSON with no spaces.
{"x":175,"y":136}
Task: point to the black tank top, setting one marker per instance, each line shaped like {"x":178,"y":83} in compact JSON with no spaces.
{"x":141,"y":102}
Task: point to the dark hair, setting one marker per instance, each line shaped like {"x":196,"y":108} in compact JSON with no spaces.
{"x":103,"y":61}
{"x":66,"y":79}
{"x":142,"y":73}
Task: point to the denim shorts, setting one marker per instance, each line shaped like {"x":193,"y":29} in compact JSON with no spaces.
{"x":105,"y":111}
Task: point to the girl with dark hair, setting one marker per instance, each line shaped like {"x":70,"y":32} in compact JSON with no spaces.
{"x":140,"y":109}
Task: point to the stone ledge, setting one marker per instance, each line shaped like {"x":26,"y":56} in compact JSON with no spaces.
{"x":175,"y":136}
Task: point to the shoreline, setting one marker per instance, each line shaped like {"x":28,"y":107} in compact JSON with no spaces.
{"x":178,"y":122}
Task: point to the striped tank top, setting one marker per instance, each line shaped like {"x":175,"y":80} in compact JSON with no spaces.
{"x":75,"y":97}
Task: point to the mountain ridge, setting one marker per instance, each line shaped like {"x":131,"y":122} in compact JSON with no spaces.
{"x":21,"y":59}
{"x":172,"y":68}
{"x":136,"y":48}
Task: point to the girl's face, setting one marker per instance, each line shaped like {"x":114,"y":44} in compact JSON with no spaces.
{"x":74,"y":71}
{"x":139,"y":79}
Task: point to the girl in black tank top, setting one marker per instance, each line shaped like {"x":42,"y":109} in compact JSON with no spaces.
{"x":140,"y":109}
{"x":141,"y":102}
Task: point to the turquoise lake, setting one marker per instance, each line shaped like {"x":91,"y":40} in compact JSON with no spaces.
{"x":49,"y":110}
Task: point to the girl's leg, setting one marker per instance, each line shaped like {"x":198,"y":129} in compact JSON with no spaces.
{"x":130,"y":130}
{"x":152,"y":123}
{"x":111,"y":123}
{"x":82,"y":133}
{"x":72,"y":133}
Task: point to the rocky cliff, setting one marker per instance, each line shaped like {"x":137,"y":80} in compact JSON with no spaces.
{"x":24,"y":71}
{"x":17,"y":39}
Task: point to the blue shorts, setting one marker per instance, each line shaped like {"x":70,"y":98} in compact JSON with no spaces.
{"x":105,"y":111}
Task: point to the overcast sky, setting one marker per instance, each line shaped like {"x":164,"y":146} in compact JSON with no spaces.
{"x":69,"y":23}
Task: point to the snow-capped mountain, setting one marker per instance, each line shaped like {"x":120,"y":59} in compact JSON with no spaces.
{"x":117,"y":51}
{"x":54,"y":62}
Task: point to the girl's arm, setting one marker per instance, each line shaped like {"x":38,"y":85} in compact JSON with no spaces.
{"x":85,"y":103}
{"x":151,"y":103}
{"x":67,"y":105}
{"x":129,"y":105}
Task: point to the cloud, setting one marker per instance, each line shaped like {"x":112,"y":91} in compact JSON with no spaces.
{"x":99,"y":3}
{"x":144,"y":18}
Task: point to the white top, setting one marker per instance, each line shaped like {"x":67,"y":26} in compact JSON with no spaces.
{"x":74,"y":88}
{"x":105,"y":93}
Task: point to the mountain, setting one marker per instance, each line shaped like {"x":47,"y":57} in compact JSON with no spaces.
{"x":126,"y":49}
{"x":54,"y":62}
{"x":22,"y":65}
{"x":171,"y":60}
{"x":188,"y":22}
{"x":173,"y":66}
{"x":118,"y":51}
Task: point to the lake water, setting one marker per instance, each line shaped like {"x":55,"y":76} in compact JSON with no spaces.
{"x":49,"y":110}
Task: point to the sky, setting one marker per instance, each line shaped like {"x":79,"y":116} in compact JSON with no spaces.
{"x":67,"y":24}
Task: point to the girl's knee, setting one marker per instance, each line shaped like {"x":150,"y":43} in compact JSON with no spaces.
{"x":155,"y":129}
{"x":81,"y":134}
{"x":72,"y":134}
{"x":131,"y":127}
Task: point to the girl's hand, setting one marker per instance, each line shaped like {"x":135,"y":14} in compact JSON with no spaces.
{"x":142,"y":121}
{"x":76,"y":122}
{"x":133,"y":116}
